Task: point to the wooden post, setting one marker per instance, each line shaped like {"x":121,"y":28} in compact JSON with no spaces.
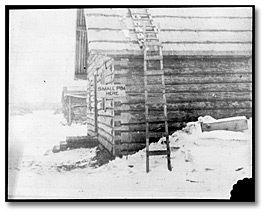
{"x":69,"y":111}
{"x":95,"y":108}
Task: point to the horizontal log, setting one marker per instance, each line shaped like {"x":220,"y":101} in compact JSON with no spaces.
{"x":154,"y":127}
{"x":177,"y":79}
{"x":137,"y":136}
{"x":152,"y":100}
{"x":107,"y":112}
{"x":128,"y":148}
{"x":192,"y":96}
{"x":105,"y":135}
{"x":105,"y":143}
{"x":106,"y":120}
{"x":106,"y":128}
{"x":90,"y":129}
{"x":186,"y":105}
{"x":180,"y":116}
{"x":91,"y":125}
{"x":194,"y":78}
{"x":191,"y":65}
{"x":107,"y":79}
{"x":230,"y":87}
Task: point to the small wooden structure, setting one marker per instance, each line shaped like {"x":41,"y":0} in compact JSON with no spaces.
{"x":74,"y":104}
{"x":231,"y":124}
{"x":207,"y":66}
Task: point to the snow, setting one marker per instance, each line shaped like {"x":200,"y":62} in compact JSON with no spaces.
{"x":40,"y":131}
{"x":205,"y":165}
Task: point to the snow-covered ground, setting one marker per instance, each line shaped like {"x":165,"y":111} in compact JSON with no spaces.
{"x":205,"y":165}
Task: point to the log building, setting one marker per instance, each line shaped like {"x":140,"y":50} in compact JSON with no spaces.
{"x":207,"y":65}
{"x":74,"y":104}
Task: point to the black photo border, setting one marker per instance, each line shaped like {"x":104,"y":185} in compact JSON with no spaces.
{"x":8,"y":8}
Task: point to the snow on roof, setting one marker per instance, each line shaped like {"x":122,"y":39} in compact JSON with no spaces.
{"x":190,"y":31}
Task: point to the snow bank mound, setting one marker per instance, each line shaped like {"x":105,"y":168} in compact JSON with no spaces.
{"x":197,"y":149}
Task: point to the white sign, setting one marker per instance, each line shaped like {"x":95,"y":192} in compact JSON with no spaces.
{"x":111,"y":91}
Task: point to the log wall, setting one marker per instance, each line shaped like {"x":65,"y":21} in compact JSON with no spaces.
{"x":100,"y":111}
{"x":196,"y":86}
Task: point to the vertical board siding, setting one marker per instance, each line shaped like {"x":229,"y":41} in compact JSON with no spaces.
{"x":81,"y":46}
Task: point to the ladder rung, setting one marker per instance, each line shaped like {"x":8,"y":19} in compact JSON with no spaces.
{"x":150,"y":26}
{"x":154,"y":72}
{"x":157,"y":152}
{"x":154,"y":58}
{"x":153,"y":43}
{"x":143,"y":19}
{"x":140,"y":13}
{"x":151,"y":38}
{"x":154,"y":88}
{"x":151,"y":31}
{"x":155,"y":100}
{"x":156,"y":134}
{"x":156,"y":119}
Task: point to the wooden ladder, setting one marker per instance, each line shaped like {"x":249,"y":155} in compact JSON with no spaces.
{"x":148,"y":38}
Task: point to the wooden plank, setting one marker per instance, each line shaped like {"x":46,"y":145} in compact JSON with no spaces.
{"x":226,"y":124}
{"x":157,"y":152}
